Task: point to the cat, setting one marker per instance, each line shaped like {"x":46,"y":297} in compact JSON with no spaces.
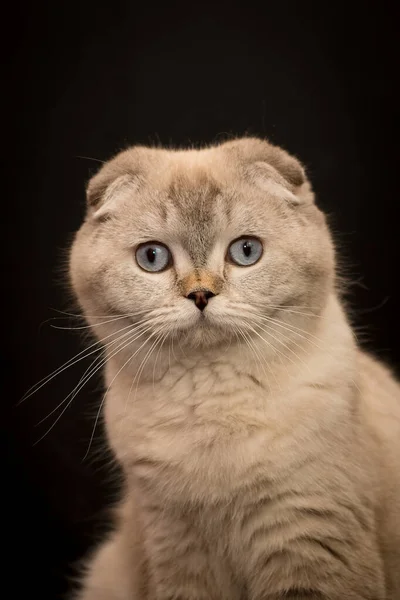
{"x":260,"y":445}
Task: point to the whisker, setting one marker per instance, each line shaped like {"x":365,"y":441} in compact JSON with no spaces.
{"x":261,"y":360}
{"x":90,"y":326}
{"x":157,"y":355}
{"x":141,"y":367}
{"x":268,"y":331}
{"x":88,"y":377}
{"x":171,"y":343}
{"x":294,"y":330}
{"x":254,"y":350}
{"x":287,"y":337}
{"x":108,"y":389}
{"x":267,"y":342}
{"x":153,"y":313}
{"x":90,"y":158}
{"x":69,"y":363}
{"x":134,"y":334}
{"x":93,"y":368}
{"x":72,"y":361}
{"x":83,"y":381}
{"x":276,"y":353}
{"x":322,"y":348}
{"x":173,"y":347}
{"x":285,"y":356}
{"x":298,"y":311}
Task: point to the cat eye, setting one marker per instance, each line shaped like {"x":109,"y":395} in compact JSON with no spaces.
{"x":245,"y":251}
{"x":153,"y":257}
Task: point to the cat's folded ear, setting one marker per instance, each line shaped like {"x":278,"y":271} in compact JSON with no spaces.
{"x":119,"y":177}
{"x":270,"y":167}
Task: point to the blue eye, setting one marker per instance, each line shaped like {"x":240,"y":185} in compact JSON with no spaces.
{"x":153,"y":257}
{"x":245,"y":251}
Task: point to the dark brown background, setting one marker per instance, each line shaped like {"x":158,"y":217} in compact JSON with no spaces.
{"x":86,"y":80}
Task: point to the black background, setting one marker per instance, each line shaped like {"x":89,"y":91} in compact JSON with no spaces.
{"x":89,"y":79}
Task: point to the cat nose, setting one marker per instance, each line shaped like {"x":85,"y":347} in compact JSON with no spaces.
{"x":200,"y":298}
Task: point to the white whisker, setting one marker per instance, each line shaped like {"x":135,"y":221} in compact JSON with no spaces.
{"x":90,"y":326}
{"x":286,"y":336}
{"x":267,"y":329}
{"x":91,"y":370}
{"x":285,"y":324}
{"x":85,"y":380}
{"x":109,"y":387}
{"x":255,"y":352}
{"x":285,"y":356}
{"x":97,"y":345}
{"x":307,"y":335}
{"x":157,"y":355}
{"x":82,"y":316}
{"x":142,"y":365}
{"x":302,"y":333}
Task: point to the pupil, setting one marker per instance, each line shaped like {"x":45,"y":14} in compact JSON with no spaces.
{"x":247,"y":248}
{"x":151,"y":255}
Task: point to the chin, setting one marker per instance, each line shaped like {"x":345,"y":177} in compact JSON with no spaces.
{"x":205,"y":332}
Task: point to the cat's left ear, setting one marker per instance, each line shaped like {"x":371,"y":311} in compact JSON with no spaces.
{"x":272,"y":169}
{"x":269,"y":179}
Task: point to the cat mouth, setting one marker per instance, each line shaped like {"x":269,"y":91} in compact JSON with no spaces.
{"x":200,"y":322}
{"x":206,"y":321}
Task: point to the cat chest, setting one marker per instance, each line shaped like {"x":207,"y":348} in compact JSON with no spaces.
{"x":203,"y":460}
{"x":194,"y":433}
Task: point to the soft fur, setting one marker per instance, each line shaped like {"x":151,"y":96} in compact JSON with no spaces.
{"x":260,"y":445}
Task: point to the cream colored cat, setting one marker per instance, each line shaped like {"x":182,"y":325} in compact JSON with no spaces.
{"x":260,"y":445}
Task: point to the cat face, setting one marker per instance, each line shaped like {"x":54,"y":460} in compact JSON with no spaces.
{"x":202,"y":245}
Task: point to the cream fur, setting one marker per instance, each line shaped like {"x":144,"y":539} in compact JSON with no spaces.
{"x":260,"y":445}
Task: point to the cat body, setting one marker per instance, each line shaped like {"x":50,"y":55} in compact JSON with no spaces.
{"x":260,"y":445}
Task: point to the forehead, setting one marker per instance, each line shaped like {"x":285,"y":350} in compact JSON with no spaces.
{"x":196,"y":209}
{"x":195,"y":206}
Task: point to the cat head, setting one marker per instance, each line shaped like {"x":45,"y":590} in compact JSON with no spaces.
{"x":202,"y":245}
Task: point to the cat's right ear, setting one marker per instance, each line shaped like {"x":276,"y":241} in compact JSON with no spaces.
{"x":104,"y":195}
{"x":117,"y":180}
